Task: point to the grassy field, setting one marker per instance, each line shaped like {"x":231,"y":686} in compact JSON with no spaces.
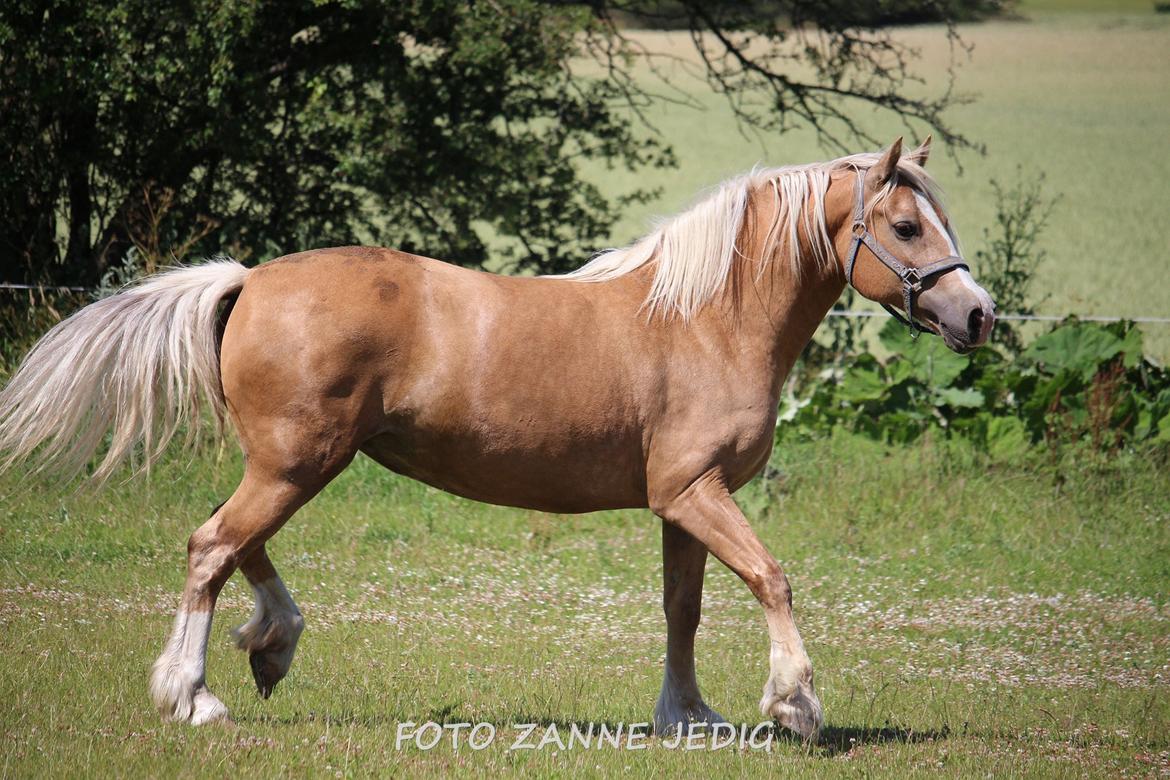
{"x":1083,"y":98}
{"x":964,"y":616}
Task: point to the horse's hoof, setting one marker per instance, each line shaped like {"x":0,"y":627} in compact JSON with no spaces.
{"x":262,"y":672}
{"x":667,"y":723}
{"x":208,"y":709}
{"x":800,"y":712}
{"x":270,"y":643}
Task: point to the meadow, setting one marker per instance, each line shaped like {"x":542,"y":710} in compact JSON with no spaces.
{"x":1080,"y":98}
{"x":965,"y":615}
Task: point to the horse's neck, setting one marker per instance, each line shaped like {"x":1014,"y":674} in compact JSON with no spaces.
{"x":782,"y":305}
{"x":764,"y":319}
{"x":776,"y":314}
{"x":767,"y":311}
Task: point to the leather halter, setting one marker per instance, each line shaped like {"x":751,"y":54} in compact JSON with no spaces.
{"x":911,"y":278}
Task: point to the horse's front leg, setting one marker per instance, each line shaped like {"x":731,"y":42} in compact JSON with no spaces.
{"x":683,"y":560}
{"x":707,"y":512}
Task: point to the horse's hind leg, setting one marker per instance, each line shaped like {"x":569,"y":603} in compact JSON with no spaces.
{"x":271,"y":635}
{"x":263,"y":502}
{"x":683,"y":560}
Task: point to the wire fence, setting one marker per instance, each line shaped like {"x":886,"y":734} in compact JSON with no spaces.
{"x":41,"y":287}
{"x":832,"y":313}
{"x":1025,"y":317}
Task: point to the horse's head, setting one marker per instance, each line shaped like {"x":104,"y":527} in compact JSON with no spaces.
{"x":897,"y":249}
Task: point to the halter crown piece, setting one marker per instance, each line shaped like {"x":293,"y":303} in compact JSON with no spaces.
{"x":911,"y":278}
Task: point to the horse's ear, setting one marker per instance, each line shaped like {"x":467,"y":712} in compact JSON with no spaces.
{"x":884,"y":169}
{"x":921,"y":154}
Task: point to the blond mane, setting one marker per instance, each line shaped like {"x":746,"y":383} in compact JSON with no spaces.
{"x":695,"y":251}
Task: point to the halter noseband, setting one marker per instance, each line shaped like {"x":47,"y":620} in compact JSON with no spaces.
{"x":911,"y":278}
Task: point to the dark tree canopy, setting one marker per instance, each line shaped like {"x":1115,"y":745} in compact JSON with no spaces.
{"x":260,"y":127}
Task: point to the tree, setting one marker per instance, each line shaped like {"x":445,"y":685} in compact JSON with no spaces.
{"x":752,"y":52}
{"x":262,"y":127}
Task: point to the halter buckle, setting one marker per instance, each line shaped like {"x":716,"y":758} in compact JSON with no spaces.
{"x":859,"y":229}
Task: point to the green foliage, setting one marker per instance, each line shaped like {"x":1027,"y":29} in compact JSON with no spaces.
{"x":1011,"y":255}
{"x":1080,"y":381}
{"x":452,"y":129}
{"x":266,"y":127}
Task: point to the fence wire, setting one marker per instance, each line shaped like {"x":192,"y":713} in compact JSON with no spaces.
{"x":1025,"y":317}
{"x":832,"y":313}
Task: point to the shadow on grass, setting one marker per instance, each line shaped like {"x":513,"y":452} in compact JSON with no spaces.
{"x":441,"y":715}
{"x":836,"y":740}
{"x":833,"y":741}
{"x":339,"y":720}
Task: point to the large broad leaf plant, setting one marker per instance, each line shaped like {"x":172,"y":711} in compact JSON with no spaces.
{"x":1083,"y":381}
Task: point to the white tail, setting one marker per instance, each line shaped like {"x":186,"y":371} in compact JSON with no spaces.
{"x":136,"y":365}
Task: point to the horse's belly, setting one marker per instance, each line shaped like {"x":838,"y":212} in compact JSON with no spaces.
{"x":575,"y":478}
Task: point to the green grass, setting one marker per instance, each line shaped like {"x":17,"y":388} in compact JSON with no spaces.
{"x":1082,"y":98}
{"x":963,"y":616}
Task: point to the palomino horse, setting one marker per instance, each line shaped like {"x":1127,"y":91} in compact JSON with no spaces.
{"x":647,"y":378}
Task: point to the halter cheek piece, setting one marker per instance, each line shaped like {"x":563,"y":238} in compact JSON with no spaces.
{"x":912,"y":278}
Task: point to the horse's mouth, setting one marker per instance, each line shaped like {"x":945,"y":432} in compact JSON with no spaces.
{"x":955,"y":342}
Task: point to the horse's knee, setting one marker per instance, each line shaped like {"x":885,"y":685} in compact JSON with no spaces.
{"x":770,"y":585}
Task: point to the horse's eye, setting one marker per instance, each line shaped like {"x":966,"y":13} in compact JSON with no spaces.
{"x":906,"y":230}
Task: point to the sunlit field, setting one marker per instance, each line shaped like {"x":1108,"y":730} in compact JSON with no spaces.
{"x":962,"y":615}
{"x":965,"y":616}
{"x":1082,"y":98}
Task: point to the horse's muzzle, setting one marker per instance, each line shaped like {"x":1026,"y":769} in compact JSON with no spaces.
{"x":959,"y":310}
{"x":963,"y":334}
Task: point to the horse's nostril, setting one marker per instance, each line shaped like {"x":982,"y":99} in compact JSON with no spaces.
{"x":974,"y":324}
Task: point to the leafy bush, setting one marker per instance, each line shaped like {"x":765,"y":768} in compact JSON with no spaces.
{"x":1012,"y":253}
{"x":1078,"y":381}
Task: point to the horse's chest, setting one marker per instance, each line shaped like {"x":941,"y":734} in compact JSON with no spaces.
{"x":731,"y":439}
{"x":749,"y":445}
